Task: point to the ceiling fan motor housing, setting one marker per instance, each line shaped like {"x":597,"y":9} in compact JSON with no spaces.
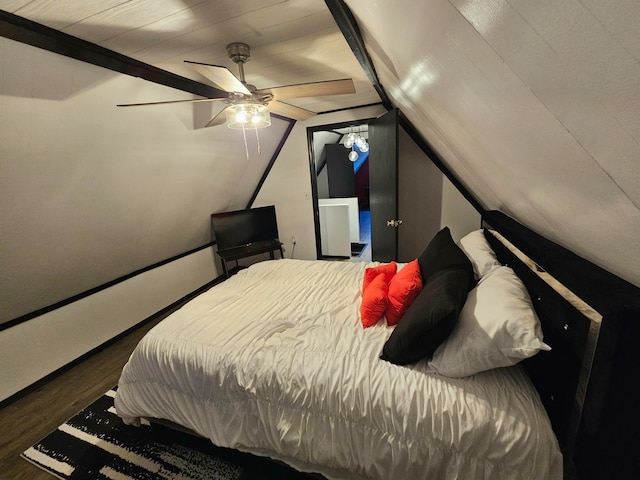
{"x":239,"y":52}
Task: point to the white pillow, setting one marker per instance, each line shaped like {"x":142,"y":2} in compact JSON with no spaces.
{"x":497,"y":327}
{"x":482,"y":256}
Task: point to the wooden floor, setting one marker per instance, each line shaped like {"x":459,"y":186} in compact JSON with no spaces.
{"x":32,"y":417}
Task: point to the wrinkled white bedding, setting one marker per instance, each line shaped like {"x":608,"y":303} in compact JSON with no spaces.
{"x":275,"y":361}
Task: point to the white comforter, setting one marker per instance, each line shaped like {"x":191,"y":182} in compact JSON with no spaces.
{"x":275,"y":361}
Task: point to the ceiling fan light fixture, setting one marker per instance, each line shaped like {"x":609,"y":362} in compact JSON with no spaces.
{"x":248,"y":115}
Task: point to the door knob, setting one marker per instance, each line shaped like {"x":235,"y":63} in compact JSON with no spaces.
{"x":394,"y":223}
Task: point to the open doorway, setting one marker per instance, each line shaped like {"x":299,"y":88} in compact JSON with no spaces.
{"x":340,"y":186}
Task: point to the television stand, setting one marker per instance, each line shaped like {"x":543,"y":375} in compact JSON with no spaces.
{"x":244,"y":251}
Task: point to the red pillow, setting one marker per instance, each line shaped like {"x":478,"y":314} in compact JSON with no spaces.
{"x":388,"y":269}
{"x":403,"y":289}
{"x":374,"y":301}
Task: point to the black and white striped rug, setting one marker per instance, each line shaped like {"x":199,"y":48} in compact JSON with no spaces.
{"x":95,"y":444}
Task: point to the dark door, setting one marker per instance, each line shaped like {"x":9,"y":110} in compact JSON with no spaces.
{"x":342,"y":183}
{"x":383,"y":184}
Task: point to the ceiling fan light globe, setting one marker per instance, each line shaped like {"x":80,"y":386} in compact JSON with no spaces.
{"x":248,"y":115}
{"x":364,"y":148}
{"x":241,"y":116}
{"x":353,"y":155}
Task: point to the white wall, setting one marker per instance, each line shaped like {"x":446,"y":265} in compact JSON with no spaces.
{"x":90,"y":192}
{"x":419,"y":199}
{"x":457,"y":213}
{"x":427,"y":202}
{"x":33,"y":349}
{"x":320,"y":139}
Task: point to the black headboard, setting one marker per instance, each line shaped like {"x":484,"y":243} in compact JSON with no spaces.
{"x":588,"y":382}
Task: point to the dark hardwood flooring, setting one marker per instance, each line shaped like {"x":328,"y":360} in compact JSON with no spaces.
{"x":35,"y":415}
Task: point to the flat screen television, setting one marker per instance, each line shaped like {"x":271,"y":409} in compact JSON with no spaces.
{"x":245,"y":227}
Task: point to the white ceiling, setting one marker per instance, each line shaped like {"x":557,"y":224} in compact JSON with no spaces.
{"x":292,"y":41}
{"x":535,"y":106}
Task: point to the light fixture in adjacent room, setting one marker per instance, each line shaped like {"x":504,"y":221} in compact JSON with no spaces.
{"x":352,"y":139}
{"x":361,"y":143}
{"x":349,"y":140}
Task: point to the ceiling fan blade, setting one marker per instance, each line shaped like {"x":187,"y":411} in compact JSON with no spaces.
{"x":290,"y":111}
{"x":313,"y":89}
{"x":219,"y":119}
{"x":191,"y":100}
{"x":220,"y":76}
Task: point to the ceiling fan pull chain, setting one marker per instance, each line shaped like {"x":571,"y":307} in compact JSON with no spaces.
{"x":258,"y":142}
{"x":244,"y":134}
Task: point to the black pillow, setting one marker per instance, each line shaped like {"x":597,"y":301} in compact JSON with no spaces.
{"x":429,"y":319}
{"x":443,"y":253}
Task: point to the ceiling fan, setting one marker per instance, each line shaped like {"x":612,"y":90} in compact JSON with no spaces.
{"x":246,"y":103}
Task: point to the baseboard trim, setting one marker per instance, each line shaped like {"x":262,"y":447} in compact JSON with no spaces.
{"x":94,"y":290}
{"x":163,"y":312}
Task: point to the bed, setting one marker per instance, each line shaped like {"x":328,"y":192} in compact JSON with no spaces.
{"x":275,"y":362}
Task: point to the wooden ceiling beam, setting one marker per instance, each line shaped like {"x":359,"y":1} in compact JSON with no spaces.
{"x":35,"y":34}
{"x":349,"y":28}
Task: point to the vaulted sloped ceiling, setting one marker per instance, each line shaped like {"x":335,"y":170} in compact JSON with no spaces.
{"x":534,"y":105}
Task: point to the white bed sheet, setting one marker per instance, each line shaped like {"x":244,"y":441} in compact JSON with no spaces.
{"x":275,"y":361}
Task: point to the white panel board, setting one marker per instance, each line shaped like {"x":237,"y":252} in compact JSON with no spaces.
{"x":354,"y":215}
{"x":334,"y":230}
